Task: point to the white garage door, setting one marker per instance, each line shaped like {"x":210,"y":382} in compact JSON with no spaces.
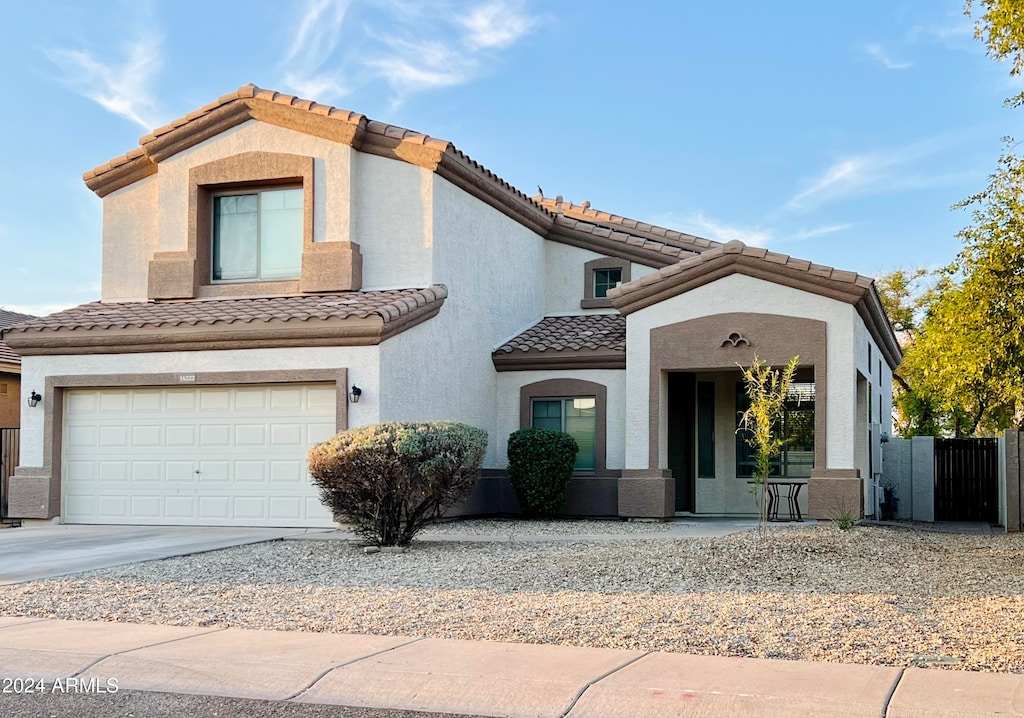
{"x":202,"y":456}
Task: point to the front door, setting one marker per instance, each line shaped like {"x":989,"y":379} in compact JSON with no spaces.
{"x":681,"y":409}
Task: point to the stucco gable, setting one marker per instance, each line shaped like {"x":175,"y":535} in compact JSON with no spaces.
{"x":642,"y":243}
{"x":736,"y":258}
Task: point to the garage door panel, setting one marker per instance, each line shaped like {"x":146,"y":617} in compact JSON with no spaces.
{"x":113,"y":506}
{"x":282,"y":399}
{"x":286,"y":435}
{"x":179,"y":507}
{"x":214,"y":400}
{"x":82,"y":470}
{"x":80,"y":436}
{"x":195,"y":455}
{"x":249,"y":507}
{"x":146,"y":436}
{"x":142,"y":507}
{"x":112,"y":436}
{"x":180,"y":401}
{"x":317,"y":433}
{"x":146,"y":402}
{"x":180,"y":471}
{"x":146,"y":472}
{"x":113,"y":471}
{"x":250,"y":472}
{"x":251,"y":400}
{"x":112,"y":402}
{"x":179,"y":435}
{"x":250,"y":434}
{"x":214,"y":507}
{"x":218,"y":435}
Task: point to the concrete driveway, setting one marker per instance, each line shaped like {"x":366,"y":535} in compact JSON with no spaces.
{"x":27,"y":554}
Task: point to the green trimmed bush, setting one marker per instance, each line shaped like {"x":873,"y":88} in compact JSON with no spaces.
{"x":540,"y":463}
{"x":392,"y":479}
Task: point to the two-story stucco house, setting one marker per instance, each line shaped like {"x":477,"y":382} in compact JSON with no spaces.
{"x":265,"y":258}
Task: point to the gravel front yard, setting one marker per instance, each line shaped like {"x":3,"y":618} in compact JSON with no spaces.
{"x":870,"y":595}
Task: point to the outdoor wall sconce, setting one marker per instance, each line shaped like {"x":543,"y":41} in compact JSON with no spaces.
{"x":34,"y":399}
{"x":355,"y":394}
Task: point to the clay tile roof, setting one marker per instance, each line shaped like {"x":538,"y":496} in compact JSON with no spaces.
{"x":586,"y":213}
{"x":589,"y":331}
{"x":736,"y":247}
{"x":9,"y":319}
{"x":388,"y":305}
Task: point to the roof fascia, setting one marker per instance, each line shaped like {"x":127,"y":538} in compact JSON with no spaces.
{"x":579,"y":359}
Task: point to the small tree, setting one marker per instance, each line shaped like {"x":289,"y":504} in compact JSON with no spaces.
{"x":767,"y":389}
{"x":393,"y":479}
{"x":540,"y":464}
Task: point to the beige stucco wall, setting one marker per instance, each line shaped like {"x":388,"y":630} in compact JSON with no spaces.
{"x":392,"y":210}
{"x":739,"y":293}
{"x":130,"y":235}
{"x":564,"y":277}
{"x":494,"y":269}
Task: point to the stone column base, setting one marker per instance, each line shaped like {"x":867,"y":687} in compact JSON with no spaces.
{"x":833,"y":492}
{"x":647,"y":494}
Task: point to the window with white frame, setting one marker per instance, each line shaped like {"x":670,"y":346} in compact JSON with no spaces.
{"x":257,"y":235}
{"x":576,"y":416}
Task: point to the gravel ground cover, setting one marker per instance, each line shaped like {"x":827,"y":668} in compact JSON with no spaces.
{"x":869,"y":595}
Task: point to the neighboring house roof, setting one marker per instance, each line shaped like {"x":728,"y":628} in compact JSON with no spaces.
{"x":664,"y":235}
{"x":590,"y":341}
{"x":737,"y":258}
{"x":253,"y":103}
{"x":350,"y":318}
{"x":9,"y":319}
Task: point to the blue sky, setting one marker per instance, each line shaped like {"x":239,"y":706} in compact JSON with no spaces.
{"x":836,"y":132}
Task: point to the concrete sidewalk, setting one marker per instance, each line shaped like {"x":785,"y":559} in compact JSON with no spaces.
{"x":482,"y":678}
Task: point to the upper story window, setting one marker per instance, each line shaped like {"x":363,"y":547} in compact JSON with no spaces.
{"x":601,"y":276}
{"x":605,"y":279}
{"x":257,"y":235}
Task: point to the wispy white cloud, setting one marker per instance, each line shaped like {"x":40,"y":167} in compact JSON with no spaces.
{"x":876,"y":52}
{"x":412,"y":47}
{"x":495,"y":25}
{"x":712,"y":228}
{"x":956,"y":31}
{"x":121,"y":87}
{"x":870,"y":173}
{"x":313,"y":42}
{"x":817,"y":231}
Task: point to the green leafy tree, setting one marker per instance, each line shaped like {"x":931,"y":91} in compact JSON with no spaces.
{"x":907,"y":295}
{"x":963,"y":366}
{"x":1001,"y":27}
{"x":767,"y":390}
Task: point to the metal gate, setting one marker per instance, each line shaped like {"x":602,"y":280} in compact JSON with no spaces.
{"x":967,"y":480}
{"x":8,"y":460}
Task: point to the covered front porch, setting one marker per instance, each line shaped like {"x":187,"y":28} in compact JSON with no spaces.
{"x":708,"y":455}
{"x":690,"y":328}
